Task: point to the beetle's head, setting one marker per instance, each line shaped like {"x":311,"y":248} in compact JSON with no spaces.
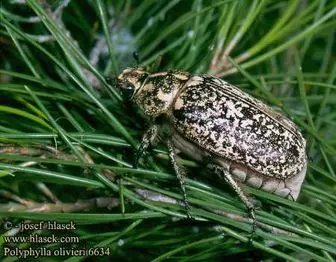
{"x":130,"y":81}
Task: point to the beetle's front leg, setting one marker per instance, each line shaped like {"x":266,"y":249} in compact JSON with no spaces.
{"x":179,"y":174}
{"x":235,"y":186}
{"x":147,"y":140}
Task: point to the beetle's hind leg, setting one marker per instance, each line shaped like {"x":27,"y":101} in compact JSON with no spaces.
{"x":147,"y":140}
{"x":179,"y":174}
{"x":224,"y":174}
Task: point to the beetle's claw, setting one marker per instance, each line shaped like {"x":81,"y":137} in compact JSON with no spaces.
{"x":187,"y":208}
{"x":135,"y":162}
{"x":185,"y":203}
{"x":138,"y":155}
{"x":189,"y":216}
{"x":252,"y":215}
{"x":250,"y":240}
{"x":290,"y":196}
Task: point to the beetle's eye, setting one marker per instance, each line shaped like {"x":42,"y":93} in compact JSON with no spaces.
{"x":128,"y":91}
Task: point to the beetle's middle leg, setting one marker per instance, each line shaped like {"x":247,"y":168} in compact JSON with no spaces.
{"x":230,"y":180}
{"x":147,"y":140}
{"x":179,"y":174}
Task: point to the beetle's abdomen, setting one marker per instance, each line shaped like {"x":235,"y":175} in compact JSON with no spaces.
{"x":245,"y":131}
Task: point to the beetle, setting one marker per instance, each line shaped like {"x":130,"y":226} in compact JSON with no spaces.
{"x":241,"y":138}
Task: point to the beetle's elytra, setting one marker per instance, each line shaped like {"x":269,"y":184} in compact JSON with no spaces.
{"x":209,"y":119}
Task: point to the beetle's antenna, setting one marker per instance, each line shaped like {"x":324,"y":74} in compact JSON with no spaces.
{"x":206,"y":56}
{"x":136,"y":58}
{"x":110,"y":80}
{"x":156,"y":64}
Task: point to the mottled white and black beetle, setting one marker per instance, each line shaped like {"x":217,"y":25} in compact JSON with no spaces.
{"x":243,"y":139}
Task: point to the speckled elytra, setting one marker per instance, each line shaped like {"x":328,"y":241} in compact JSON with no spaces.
{"x":244,"y":140}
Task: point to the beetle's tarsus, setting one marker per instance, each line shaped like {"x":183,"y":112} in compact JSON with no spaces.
{"x":290,"y":196}
{"x":189,"y":216}
{"x":230,"y":180}
{"x":179,"y":174}
{"x":252,"y":215}
{"x":186,"y":204}
{"x":141,"y":150}
{"x":147,"y":140}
